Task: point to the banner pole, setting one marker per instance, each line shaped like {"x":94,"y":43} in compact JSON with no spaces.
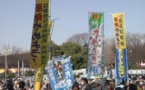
{"x":126,"y":54}
{"x":88,"y":68}
{"x":88,"y":48}
{"x":103,"y":56}
{"x":116,"y":80}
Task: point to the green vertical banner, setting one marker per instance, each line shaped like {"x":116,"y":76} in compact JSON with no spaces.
{"x":96,"y":36}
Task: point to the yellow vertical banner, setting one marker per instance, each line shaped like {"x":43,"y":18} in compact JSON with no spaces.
{"x":38,"y":78}
{"x":119,"y":28}
{"x":40,"y":35}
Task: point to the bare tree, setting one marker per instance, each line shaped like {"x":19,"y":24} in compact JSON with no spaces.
{"x":135,"y":47}
{"x":12,"y":49}
{"x":81,"y":39}
{"x":128,"y":38}
{"x":5,"y":49}
{"x":11,"y":55}
{"x":16,"y":50}
{"x":109,"y":51}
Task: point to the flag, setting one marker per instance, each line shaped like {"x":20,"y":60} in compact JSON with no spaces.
{"x":96,"y":35}
{"x":51,"y":73}
{"x":60,"y":73}
{"x":119,"y":29}
{"x":40,"y":35}
{"x":68,"y":73}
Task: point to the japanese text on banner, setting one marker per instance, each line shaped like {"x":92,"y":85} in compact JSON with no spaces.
{"x":119,"y":28}
{"x":96,"y":24}
{"x":60,"y":74}
{"x":121,"y":64}
{"x":40,"y":35}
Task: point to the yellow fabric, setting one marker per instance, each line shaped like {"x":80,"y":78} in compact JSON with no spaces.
{"x":40,"y":35}
{"x":139,"y":88}
{"x":119,"y":29}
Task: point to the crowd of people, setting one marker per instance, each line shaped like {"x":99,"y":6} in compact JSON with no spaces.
{"x":15,"y":84}
{"x":22,"y":84}
{"x":135,"y":83}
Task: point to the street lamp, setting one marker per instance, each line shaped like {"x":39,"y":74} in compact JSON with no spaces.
{"x":6,"y":52}
{"x":51,"y":31}
{"x":130,"y":54}
{"x":20,"y":70}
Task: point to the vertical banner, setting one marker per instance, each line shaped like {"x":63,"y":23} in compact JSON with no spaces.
{"x":60,"y":74}
{"x":68,"y":74}
{"x":121,"y":64}
{"x":121,"y":52}
{"x":40,"y":35}
{"x":96,"y":30}
{"x":51,"y":73}
{"x":38,"y":78}
{"x":119,"y":28}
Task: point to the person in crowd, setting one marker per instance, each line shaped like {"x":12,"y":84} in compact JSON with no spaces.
{"x":28,"y":83}
{"x":133,"y":84}
{"x":8,"y":84}
{"x":48,"y":86}
{"x":75,"y":86}
{"x":121,"y":86}
{"x":111,"y":85}
{"x":1,"y":85}
{"x":133,"y":87}
{"x":16,"y":85}
{"x":84,"y":84}
{"x":44,"y":83}
{"x":96,"y":85}
{"x":140,"y":86}
{"x":31,"y":85}
{"x":22,"y":85}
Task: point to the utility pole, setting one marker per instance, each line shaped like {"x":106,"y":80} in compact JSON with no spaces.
{"x":51,"y":31}
{"x":22,"y":68}
{"x":6,"y":52}
{"x":18,"y":68}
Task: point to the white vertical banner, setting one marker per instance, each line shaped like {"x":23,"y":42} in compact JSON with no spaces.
{"x":96,"y":30}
